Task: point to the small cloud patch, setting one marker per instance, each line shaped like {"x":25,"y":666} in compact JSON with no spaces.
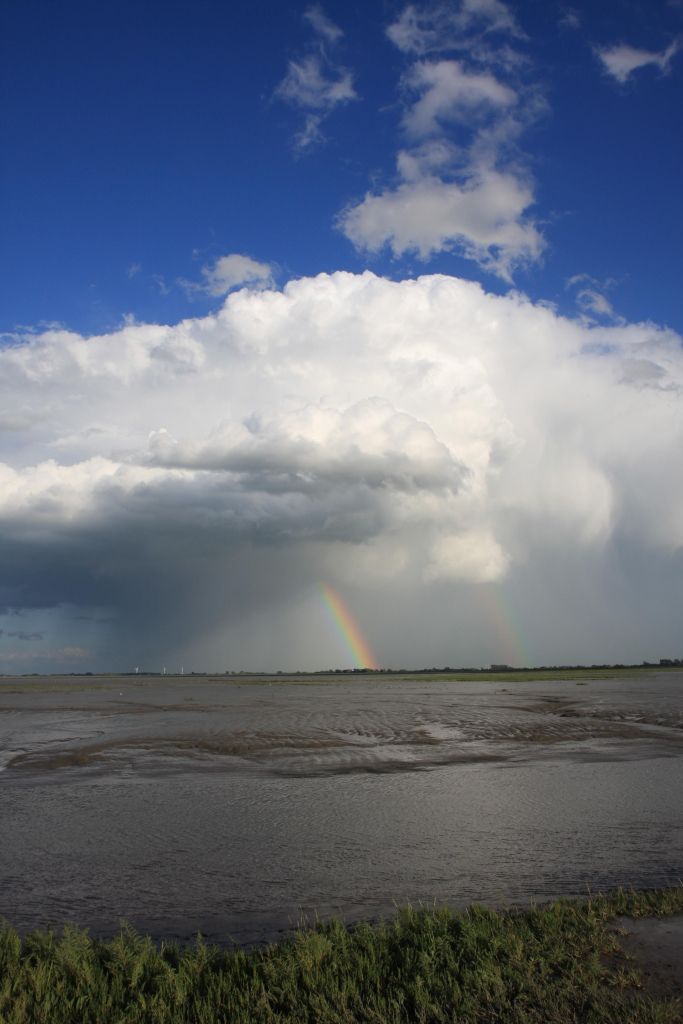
{"x":621,"y":61}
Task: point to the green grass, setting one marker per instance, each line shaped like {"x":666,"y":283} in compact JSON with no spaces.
{"x":533,"y":675}
{"x":543,"y":964}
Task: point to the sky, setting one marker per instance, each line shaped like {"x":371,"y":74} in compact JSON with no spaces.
{"x":370,"y":307}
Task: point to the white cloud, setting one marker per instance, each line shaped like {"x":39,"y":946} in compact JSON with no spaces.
{"x":422,"y":30}
{"x":570,"y":19}
{"x":622,"y":60}
{"x":393,"y":435}
{"x":475,"y":556}
{"x":163,"y":288}
{"x":450,"y":93}
{"x":591,"y":297}
{"x":320,"y":23}
{"x":461,"y":186}
{"x":595,"y":302}
{"x":482,"y":218}
{"x":315,"y":83}
{"x":310,"y":83}
{"x":369,"y":443}
{"x":230,"y":272}
{"x":311,"y":134}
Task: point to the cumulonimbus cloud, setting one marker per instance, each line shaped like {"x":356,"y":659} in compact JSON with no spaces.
{"x":425,"y":401}
{"x":420,"y":431}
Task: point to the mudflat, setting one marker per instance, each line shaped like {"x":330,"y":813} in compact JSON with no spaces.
{"x":227,"y":805}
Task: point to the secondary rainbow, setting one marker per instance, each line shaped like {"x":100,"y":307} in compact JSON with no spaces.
{"x":347,"y":628}
{"x":500,"y":612}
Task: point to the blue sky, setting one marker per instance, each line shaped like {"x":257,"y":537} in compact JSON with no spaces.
{"x":152,"y":136}
{"x":382,"y":298}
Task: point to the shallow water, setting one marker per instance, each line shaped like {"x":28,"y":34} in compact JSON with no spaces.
{"x":225,"y":807}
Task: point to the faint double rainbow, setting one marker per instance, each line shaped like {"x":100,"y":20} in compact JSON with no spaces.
{"x":499,"y":611}
{"x":496,"y":606}
{"x":353,"y":639}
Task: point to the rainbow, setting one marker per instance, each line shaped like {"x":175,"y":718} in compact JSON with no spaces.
{"x":498,"y":610}
{"x":348,"y":630}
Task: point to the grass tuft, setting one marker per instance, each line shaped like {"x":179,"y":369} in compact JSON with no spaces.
{"x":429,"y":966}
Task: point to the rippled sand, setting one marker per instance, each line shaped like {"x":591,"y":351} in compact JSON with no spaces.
{"x":329,"y":727}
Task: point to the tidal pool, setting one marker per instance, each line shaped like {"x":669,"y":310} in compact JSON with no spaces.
{"x":229,"y":807}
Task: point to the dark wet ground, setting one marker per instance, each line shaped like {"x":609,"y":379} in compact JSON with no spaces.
{"x":225,"y":805}
{"x":656,"y":946}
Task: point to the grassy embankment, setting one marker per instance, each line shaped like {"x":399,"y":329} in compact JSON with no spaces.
{"x":543,"y":964}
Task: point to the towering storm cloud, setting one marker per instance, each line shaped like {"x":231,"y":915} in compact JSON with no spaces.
{"x":430,"y":449}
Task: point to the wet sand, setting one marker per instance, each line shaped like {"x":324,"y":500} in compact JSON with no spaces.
{"x":77,"y":729}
